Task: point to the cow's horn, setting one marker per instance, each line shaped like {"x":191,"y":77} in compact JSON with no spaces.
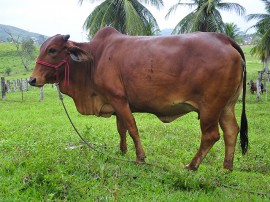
{"x":66,"y":37}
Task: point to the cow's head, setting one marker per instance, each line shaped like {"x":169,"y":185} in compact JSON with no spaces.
{"x":54,"y":55}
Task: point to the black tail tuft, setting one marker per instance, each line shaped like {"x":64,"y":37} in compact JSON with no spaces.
{"x":244,"y":124}
{"x":244,"y":133}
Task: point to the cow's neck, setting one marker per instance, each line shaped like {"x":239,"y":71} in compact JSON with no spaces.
{"x":81,"y":87}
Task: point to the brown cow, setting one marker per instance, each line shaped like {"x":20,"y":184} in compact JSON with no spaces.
{"x":166,"y":76}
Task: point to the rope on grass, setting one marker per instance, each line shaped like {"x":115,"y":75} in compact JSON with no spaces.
{"x":248,"y":191}
{"x":90,"y":145}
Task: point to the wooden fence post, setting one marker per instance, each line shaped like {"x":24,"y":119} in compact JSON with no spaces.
{"x":26,"y":84}
{"x":41,"y":94}
{"x":8,"y":86}
{"x":14,"y":85}
{"x":3,"y":87}
{"x":19,"y":84}
{"x":21,"y":87}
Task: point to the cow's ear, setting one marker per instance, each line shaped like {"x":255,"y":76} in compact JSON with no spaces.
{"x":79,"y":55}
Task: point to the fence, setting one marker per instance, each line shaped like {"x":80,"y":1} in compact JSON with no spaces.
{"x":19,"y":85}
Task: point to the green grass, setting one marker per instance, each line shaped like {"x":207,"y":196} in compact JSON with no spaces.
{"x":253,"y":64}
{"x":38,"y":163}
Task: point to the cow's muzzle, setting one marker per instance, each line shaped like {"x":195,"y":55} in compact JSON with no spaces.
{"x":32,"y":81}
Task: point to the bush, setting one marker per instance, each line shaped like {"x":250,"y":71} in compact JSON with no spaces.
{"x":7,"y":71}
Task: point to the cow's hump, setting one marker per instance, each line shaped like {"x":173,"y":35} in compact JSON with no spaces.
{"x":106,"y":31}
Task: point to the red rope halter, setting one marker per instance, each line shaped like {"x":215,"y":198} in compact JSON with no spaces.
{"x":56,"y":67}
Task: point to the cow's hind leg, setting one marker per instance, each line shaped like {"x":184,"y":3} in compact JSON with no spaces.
{"x":122,"y":130}
{"x":230,"y":129}
{"x":210,"y":135}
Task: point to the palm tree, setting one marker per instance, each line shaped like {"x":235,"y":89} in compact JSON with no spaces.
{"x":127,"y":16}
{"x":232,"y":31}
{"x":262,"y":49}
{"x":206,"y":16}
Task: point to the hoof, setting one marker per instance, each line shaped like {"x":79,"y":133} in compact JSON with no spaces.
{"x":228,"y":165}
{"x":228,"y":169}
{"x":124,"y":151}
{"x":140,"y":159}
{"x":189,"y":167}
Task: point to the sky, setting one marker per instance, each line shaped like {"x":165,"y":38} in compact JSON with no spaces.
{"x":52,"y":17}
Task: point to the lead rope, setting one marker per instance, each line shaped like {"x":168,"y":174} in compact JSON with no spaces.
{"x":91,"y":146}
{"x":62,"y":101}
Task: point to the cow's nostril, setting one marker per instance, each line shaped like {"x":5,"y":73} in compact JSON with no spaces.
{"x":32,"y":81}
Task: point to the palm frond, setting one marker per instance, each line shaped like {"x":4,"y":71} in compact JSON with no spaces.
{"x":257,"y":16}
{"x":91,"y":1}
{"x":134,"y":24}
{"x":232,"y":31}
{"x":214,"y":22}
{"x":172,"y":10}
{"x":174,"y":7}
{"x":145,"y":14}
{"x":185,"y":25}
{"x":156,"y":3}
{"x":240,"y":10}
{"x":97,"y":18}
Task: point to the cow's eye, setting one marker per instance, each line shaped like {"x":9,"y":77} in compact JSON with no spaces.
{"x":52,"y":50}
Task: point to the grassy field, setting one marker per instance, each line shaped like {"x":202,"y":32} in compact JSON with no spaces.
{"x":42,"y":158}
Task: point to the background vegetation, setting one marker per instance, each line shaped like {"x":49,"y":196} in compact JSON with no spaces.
{"x":42,"y":159}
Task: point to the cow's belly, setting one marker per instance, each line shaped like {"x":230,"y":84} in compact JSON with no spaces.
{"x":166,"y":112}
{"x":170,"y":111}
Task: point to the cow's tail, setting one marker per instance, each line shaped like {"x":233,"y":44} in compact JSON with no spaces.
{"x":244,"y":123}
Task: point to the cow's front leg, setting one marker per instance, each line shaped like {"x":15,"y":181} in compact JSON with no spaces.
{"x":122,"y":130}
{"x":126,"y":118}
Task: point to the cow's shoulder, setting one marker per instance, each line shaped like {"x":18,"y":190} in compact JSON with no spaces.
{"x":106,"y":32}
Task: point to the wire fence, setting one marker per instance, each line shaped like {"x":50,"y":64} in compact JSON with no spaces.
{"x":19,"y":85}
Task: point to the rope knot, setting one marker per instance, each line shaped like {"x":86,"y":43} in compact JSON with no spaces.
{"x":57,"y":67}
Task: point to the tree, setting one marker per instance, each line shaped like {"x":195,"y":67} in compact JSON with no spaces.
{"x":27,"y":52}
{"x":262,"y":49}
{"x":150,"y":29}
{"x":127,"y":16}
{"x":25,"y":48}
{"x":232,"y":31}
{"x":206,"y":16}
{"x":8,"y":71}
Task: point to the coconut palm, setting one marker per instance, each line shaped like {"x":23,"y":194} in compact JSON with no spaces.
{"x":232,"y":31}
{"x":205,"y":17}
{"x":262,"y":49}
{"x":127,"y":16}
